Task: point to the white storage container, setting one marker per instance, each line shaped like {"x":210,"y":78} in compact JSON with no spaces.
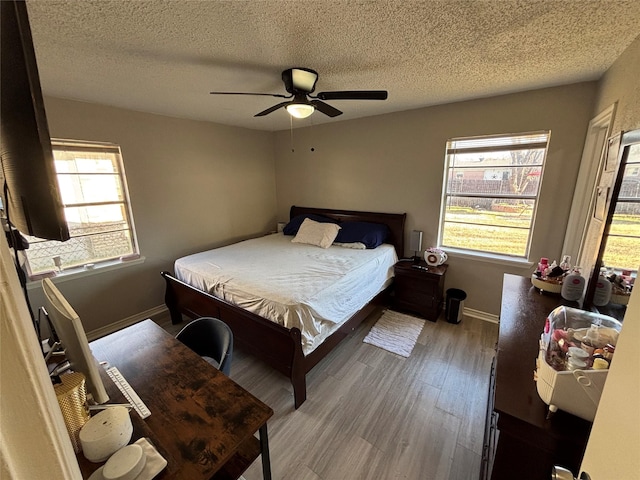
{"x":559,"y":383}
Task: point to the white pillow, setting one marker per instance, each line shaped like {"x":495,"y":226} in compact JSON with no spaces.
{"x":316,"y":233}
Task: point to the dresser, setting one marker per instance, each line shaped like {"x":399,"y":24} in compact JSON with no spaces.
{"x":519,"y":441}
{"x":419,"y":288}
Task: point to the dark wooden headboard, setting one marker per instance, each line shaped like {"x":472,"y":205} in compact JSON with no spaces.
{"x":395,"y":221}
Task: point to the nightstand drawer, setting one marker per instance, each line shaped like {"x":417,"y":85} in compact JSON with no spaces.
{"x":419,"y":290}
{"x":410,"y":295}
{"x":411,"y":287}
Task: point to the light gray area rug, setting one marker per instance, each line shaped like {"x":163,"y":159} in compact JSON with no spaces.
{"x":395,"y":332}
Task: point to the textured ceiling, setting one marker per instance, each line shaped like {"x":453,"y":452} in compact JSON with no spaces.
{"x":165,"y":56}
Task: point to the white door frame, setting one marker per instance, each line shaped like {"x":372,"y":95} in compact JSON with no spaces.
{"x":34,"y":442}
{"x":590,"y":166}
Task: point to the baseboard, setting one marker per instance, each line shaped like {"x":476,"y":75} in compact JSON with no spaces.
{"x":487,"y":317}
{"x":162,"y":310}
{"x":125,"y":322}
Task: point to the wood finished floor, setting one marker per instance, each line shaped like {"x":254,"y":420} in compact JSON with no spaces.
{"x":371,"y":414}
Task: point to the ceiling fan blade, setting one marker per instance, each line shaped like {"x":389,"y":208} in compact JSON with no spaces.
{"x":325,"y":108}
{"x":353,"y":95}
{"x":246,"y":93}
{"x":271,"y":109}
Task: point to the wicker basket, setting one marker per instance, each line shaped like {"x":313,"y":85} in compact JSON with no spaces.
{"x":546,"y":286}
{"x":72,"y":398}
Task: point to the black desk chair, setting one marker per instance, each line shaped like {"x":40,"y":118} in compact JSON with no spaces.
{"x":210,"y":338}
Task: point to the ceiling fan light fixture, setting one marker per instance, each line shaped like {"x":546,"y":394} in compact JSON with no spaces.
{"x":300,"y":110}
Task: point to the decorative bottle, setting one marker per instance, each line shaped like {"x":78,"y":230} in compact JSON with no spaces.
{"x":573,"y":285}
{"x":566,"y":263}
{"x":591,"y":340}
{"x":542,"y":266}
{"x":602,"y":293}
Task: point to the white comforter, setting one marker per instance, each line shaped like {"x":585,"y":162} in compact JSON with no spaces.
{"x":295,"y":285}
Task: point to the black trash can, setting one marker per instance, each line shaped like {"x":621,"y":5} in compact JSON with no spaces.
{"x":454,"y":305}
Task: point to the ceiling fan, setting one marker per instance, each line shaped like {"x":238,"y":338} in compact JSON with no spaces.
{"x":301,"y":83}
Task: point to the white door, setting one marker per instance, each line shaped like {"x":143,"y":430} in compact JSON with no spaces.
{"x":600,"y":206}
{"x":613,"y":451}
{"x":598,"y":132}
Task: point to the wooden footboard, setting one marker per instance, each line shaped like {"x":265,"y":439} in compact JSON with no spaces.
{"x":280,"y":347}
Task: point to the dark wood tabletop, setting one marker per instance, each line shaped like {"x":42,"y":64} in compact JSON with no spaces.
{"x":522,"y":415}
{"x":201,"y":421}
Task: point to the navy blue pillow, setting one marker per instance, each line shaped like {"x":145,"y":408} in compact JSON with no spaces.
{"x":293,"y":226}
{"x":371,"y":234}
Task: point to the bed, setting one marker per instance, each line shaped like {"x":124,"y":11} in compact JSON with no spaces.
{"x":289,"y":337}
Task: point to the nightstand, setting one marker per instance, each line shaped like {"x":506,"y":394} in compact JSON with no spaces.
{"x":419,"y":290}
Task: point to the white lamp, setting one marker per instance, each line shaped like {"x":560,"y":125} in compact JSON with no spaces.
{"x":415,"y":243}
{"x":300,"y":110}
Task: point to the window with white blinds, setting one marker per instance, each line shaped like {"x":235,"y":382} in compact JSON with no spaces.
{"x":490,"y":192}
{"x":96,"y":206}
{"x":623,"y":237}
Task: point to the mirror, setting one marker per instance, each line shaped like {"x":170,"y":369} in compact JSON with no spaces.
{"x":617,"y":211}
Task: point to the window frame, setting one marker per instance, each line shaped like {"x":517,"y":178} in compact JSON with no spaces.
{"x":629,"y":170}
{"x":125,"y":204}
{"x":450,"y":151}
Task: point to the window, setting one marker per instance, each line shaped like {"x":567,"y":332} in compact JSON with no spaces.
{"x":491,"y":189}
{"x":622,"y":251}
{"x":96,"y":205}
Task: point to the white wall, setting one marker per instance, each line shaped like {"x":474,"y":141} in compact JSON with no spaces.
{"x":193,"y":186}
{"x":614,"y":446}
{"x":621,"y":84}
{"x":34,"y":443}
{"x":395,"y":162}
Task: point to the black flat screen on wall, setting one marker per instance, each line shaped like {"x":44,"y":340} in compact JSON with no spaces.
{"x":28,"y":183}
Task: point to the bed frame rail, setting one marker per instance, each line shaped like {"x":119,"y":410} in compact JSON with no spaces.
{"x":280,"y":347}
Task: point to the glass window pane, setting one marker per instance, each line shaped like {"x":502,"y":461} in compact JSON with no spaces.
{"x":96,"y":218}
{"x":90,"y":188}
{"x":492,"y":239}
{"x":634,"y":154}
{"x":83,"y":162}
{"x":490,"y":211}
{"x":622,"y":253}
{"x":630,"y":186}
{"x":626,"y":220}
{"x":79,"y":250}
{"x":516,"y":181}
{"x":497,"y":159}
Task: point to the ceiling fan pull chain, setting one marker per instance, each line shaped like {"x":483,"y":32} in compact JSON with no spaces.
{"x":291,"y":130}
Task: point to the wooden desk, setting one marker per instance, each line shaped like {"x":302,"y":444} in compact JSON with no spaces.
{"x":201,"y":421}
{"x":520,"y":442}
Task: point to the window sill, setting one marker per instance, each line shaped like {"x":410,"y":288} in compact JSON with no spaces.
{"x":489,"y":258}
{"x":80,"y":272}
